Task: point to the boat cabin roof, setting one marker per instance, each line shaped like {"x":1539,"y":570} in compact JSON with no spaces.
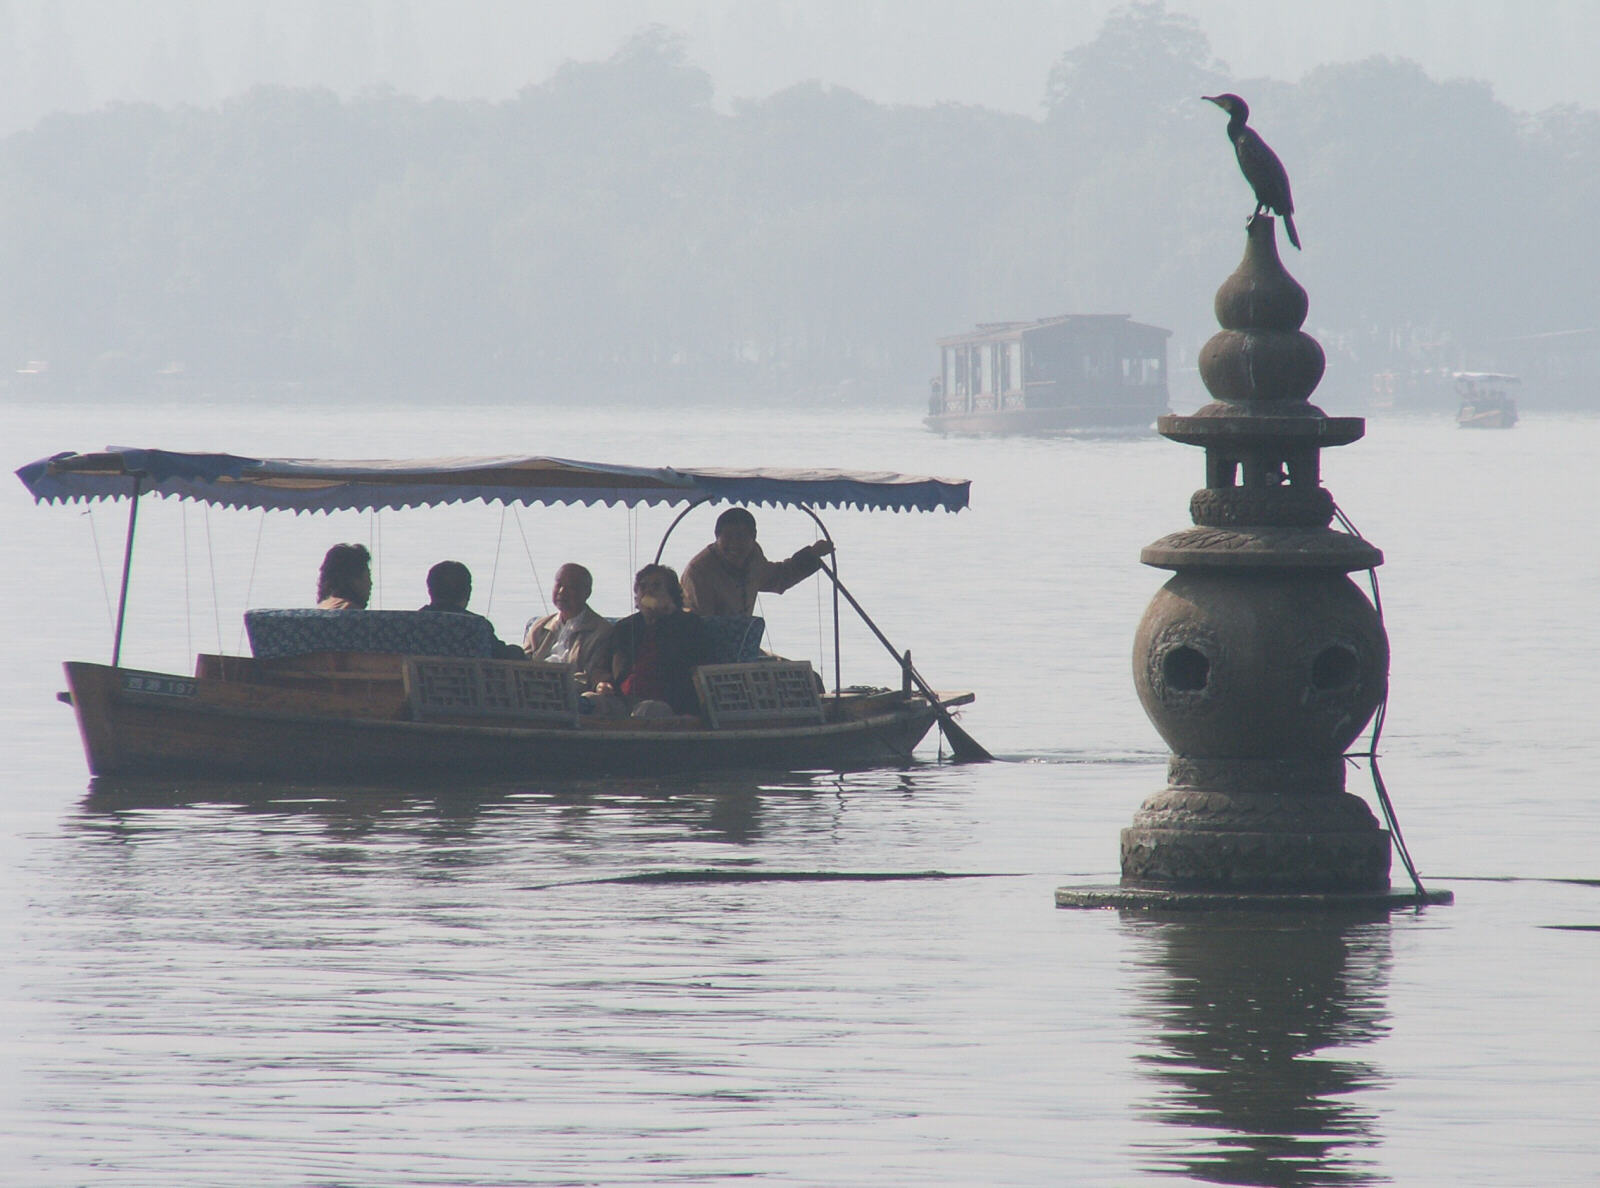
{"x":1101,"y":323}
{"x":320,"y":485}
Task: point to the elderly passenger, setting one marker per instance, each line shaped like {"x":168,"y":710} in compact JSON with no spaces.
{"x":573,"y":633}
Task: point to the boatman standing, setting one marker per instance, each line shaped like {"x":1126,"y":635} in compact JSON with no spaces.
{"x":726,"y":576}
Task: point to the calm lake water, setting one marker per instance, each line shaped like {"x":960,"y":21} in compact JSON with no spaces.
{"x":457,"y":985}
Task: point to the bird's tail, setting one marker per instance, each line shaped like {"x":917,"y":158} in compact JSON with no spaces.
{"x":1288,"y":225}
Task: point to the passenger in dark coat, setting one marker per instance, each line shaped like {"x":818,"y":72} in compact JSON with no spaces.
{"x":449,"y":591}
{"x":655,"y":652}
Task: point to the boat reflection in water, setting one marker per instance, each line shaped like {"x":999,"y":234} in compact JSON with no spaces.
{"x":592,"y":817}
{"x":1252,"y":1015}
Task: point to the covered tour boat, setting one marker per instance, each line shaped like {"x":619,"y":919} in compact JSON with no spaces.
{"x":1076,"y":373}
{"x":359,"y":695}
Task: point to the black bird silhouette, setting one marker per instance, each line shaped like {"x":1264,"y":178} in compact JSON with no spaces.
{"x":1258,"y":163}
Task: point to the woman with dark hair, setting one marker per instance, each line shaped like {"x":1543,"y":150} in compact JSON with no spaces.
{"x":345,"y":580}
{"x":655,"y":652}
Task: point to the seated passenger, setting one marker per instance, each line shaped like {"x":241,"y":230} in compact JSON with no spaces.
{"x":573,"y":634}
{"x":345,"y":580}
{"x":725,"y":576}
{"x":655,"y":652}
{"x":449,"y":591}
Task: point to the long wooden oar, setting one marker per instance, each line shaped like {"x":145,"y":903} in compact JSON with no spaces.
{"x":963,"y":747}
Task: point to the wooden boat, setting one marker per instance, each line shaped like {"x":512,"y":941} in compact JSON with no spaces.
{"x":1486,"y":400}
{"x":359,"y":695}
{"x":1079,"y":373}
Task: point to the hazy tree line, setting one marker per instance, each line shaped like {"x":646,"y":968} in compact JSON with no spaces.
{"x":610,"y":231}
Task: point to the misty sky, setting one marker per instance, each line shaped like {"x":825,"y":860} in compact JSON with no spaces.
{"x":78,"y":54}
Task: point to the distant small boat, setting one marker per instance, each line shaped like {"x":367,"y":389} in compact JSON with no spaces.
{"x":1486,"y":402}
{"x":1070,"y":374}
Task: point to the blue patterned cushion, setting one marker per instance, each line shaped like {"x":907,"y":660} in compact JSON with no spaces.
{"x":296,"y":631}
{"x":735,"y":639}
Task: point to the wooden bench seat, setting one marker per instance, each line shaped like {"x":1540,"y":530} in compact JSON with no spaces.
{"x":764,"y":693}
{"x":526,"y":691}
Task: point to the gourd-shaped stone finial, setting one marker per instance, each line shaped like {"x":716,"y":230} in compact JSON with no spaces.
{"x":1261,"y":355}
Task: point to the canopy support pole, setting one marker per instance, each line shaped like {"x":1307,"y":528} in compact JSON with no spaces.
{"x":838,"y":685}
{"x":127,"y":569}
{"x":678,"y":519}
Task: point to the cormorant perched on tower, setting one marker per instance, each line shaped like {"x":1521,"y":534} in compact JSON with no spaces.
{"x":1258,"y":163}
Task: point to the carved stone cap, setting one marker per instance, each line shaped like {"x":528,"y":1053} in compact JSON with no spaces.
{"x":1264,"y":547}
{"x":1220,"y":422}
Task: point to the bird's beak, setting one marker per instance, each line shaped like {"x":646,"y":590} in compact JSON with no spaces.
{"x":1212,"y":99}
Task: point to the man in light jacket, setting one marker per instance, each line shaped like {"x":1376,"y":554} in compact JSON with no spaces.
{"x":573,"y":634}
{"x":725,"y":576}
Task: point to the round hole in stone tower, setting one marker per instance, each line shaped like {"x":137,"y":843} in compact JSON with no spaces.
{"x":1185,"y":669}
{"x":1336,"y":667}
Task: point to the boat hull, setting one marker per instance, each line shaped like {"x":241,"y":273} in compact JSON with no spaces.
{"x":1047,"y":422}
{"x":1497,"y":416}
{"x":153,"y":724}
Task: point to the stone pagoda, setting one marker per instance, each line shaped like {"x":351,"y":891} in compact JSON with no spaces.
{"x":1260,"y":661}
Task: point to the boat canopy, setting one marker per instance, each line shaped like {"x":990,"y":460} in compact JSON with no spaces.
{"x":317,"y":485}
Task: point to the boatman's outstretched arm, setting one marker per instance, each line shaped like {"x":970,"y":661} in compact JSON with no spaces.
{"x":780,"y":575}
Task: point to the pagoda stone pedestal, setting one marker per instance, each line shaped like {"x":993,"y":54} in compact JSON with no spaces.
{"x":1260,"y":661}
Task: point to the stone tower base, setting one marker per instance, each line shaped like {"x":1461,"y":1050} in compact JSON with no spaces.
{"x":1256,"y":825}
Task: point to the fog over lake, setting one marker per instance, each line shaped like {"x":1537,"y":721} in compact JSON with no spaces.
{"x":622,"y":224}
{"x":68,"y":54}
